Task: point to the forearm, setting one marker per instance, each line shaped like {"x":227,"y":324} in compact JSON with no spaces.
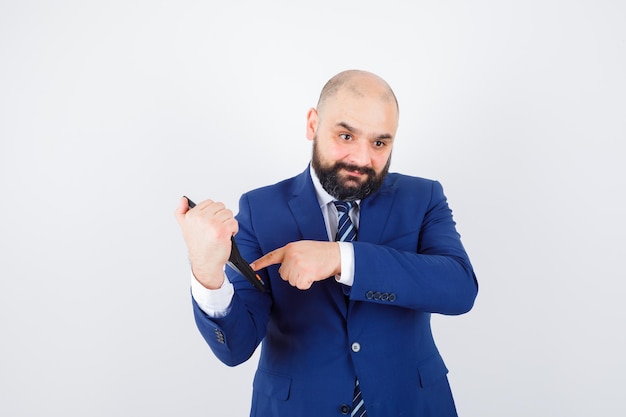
{"x":234,"y":337}
{"x":433,"y":283}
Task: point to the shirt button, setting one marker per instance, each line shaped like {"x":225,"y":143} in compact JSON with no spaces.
{"x":345,"y":409}
{"x":356,"y":347}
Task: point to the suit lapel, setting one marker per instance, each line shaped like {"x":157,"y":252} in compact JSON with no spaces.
{"x":306,"y":210}
{"x":374,"y":213}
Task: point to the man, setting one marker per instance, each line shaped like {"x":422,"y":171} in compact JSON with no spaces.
{"x":345,"y":313}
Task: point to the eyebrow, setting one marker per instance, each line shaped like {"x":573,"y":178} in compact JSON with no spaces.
{"x":353,"y":129}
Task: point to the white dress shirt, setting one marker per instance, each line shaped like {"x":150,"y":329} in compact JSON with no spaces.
{"x":216,"y":303}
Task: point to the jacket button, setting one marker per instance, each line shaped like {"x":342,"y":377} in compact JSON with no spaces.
{"x":384,"y":296}
{"x":345,"y":409}
{"x":356,"y":346}
{"x":392,"y":297}
{"x":369,"y":295}
{"x":376,"y":296}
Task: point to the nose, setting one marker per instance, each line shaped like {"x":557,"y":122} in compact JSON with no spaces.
{"x":360,"y":154}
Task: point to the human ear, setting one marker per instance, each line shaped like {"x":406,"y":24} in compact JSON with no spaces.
{"x":311,"y":123}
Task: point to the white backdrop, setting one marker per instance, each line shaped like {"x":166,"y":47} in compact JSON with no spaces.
{"x":110,"y":111}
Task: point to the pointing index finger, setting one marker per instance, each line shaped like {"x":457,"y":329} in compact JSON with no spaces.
{"x":271,"y":258}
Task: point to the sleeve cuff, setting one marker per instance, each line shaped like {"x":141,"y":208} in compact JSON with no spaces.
{"x":215,"y":303}
{"x":347,"y":264}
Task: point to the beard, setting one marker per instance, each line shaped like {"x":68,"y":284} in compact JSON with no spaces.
{"x":345,"y":189}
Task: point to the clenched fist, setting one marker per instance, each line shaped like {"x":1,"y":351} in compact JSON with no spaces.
{"x":207,"y":229}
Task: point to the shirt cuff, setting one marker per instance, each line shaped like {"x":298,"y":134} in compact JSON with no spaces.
{"x":215,"y":303}
{"x":346,"y":276}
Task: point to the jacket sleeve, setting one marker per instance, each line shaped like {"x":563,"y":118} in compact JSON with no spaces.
{"x":427,"y":269}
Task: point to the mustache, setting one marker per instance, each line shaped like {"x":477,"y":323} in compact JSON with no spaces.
{"x":356,"y":168}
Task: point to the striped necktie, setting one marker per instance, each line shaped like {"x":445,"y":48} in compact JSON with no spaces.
{"x":346,"y":232}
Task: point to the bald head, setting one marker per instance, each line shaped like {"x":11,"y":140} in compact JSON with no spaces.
{"x":353,"y":130}
{"x":356,"y":83}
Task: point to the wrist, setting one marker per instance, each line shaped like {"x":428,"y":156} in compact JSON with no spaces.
{"x":210,"y":278}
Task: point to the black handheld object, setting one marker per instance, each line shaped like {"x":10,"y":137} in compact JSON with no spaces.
{"x":239,"y":264}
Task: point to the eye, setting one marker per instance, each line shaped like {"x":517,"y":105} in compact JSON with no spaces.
{"x":345,"y":136}
{"x":379,"y":143}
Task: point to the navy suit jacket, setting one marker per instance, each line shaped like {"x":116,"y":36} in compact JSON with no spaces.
{"x":409,"y":263}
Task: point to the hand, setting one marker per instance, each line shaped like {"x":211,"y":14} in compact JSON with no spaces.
{"x":303,"y":262}
{"x":207,"y":229}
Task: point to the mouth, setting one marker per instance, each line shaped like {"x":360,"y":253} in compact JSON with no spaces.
{"x":354,"y":178}
{"x":354,"y":172}
{"x":353,"y":175}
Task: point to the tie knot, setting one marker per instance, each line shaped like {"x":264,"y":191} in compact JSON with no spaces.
{"x":343,"y":206}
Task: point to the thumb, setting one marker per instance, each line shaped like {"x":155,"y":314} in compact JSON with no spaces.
{"x":183,"y":207}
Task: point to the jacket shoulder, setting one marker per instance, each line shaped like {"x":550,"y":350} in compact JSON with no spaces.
{"x":407,"y":184}
{"x":394,"y":178}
